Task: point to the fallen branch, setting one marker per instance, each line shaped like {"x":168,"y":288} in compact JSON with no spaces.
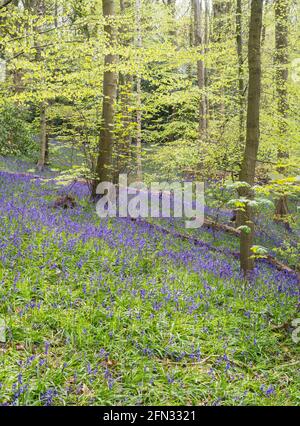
{"x":269,"y":259}
{"x":188,"y":238}
{"x":281,"y":266}
{"x":221,"y":227}
{"x":23,"y":174}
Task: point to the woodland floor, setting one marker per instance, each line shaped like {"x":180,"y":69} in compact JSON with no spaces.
{"x":110,"y":311}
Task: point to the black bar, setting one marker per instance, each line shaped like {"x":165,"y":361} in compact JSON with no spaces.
{"x":144,"y":415}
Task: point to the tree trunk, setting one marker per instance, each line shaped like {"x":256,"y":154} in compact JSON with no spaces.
{"x":191,"y":37}
{"x":172,"y":5}
{"x":43,"y":137}
{"x":104,"y":162}
{"x":47,"y":150}
{"x":221,"y":11}
{"x":40,"y":9}
{"x":206,"y":50}
{"x":139,"y":95}
{"x":281,"y":63}
{"x":239,"y":44}
{"x":247,"y":172}
{"x":282,"y":206}
{"x":198,"y":40}
{"x":123,"y":145}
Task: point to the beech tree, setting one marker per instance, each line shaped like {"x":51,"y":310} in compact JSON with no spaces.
{"x":199,"y":43}
{"x":110,"y":78}
{"x":281,"y":64}
{"x":239,"y":43}
{"x":138,"y":11}
{"x":39,"y":8}
{"x":247,"y":173}
{"x":125,"y":91}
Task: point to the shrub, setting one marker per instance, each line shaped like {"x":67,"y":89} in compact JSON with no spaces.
{"x":15,"y":132}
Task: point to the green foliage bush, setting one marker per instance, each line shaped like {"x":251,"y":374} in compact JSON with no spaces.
{"x":16,"y":136}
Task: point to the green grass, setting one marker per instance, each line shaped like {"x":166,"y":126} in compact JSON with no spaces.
{"x":110,"y":328}
{"x":98,"y":321}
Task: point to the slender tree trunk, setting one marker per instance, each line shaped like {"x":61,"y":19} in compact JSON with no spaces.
{"x":198,"y":39}
{"x":191,"y":36}
{"x":123,"y":146}
{"x":281,"y":63}
{"x":247,"y":173}
{"x":281,"y":60}
{"x":221,"y":11}
{"x":41,"y":10}
{"x":47,"y":150}
{"x":43,"y":137}
{"x":241,"y":100}
{"x":56,"y":14}
{"x":282,"y":206}
{"x":239,"y":44}
{"x":104,"y":170}
{"x":172,"y":6}
{"x":138,"y":6}
{"x":206,"y":50}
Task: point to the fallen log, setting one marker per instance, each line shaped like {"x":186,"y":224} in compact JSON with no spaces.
{"x":269,"y":259}
{"x":188,"y":238}
{"x":221,"y":227}
{"x":281,"y":266}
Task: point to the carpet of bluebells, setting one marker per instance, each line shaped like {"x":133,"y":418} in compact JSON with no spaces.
{"x":111,"y":311}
